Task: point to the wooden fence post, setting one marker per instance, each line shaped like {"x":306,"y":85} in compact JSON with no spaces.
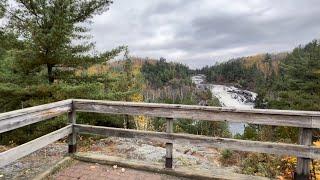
{"x":72,"y":138}
{"x":303,"y":164}
{"x":169,"y":146}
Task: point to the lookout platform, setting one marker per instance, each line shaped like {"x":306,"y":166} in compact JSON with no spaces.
{"x":306,"y":121}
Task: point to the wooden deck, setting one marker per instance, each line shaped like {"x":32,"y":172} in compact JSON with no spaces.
{"x":305,"y":120}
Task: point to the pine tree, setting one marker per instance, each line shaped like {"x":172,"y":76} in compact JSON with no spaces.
{"x":50,"y":29}
{"x":52,"y":61}
{"x":300,"y":79}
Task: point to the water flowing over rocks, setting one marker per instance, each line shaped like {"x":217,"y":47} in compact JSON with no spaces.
{"x":228,"y":96}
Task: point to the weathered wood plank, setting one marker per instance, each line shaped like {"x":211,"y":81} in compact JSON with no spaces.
{"x":211,"y":108}
{"x":29,"y":110}
{"x":224,"y":143}
{"x":13,"y":122}
{"x":303,"y":164}
{"x":169,"y":145}
{"x":72,"y":139}
{"x":307,"y":119}
{"x":20,"y":151}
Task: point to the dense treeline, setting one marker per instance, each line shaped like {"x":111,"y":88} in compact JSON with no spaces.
{"x":233,"y":72}
{"x":162,"y":73}
{"x":170,"y":83}
{"x":245,"y":72}
{"x":298,"y":84}
{"x":284,"y":82}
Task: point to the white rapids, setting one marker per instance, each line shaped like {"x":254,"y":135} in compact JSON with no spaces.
{"x":229,"y":96}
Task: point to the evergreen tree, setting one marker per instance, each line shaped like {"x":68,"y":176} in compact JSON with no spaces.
{"x":53,"y":59}
{"x":50,"y":29}
{"x":298,"y":86}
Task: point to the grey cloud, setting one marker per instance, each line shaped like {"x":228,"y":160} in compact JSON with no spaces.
{"x":200,"y":32}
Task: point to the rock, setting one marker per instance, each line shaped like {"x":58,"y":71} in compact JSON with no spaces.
{"x":123,"y":170}
{"x":115,"y":166}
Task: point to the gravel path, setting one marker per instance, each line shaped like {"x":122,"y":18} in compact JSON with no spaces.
{"x":35,"y":163}
{"x":89,"y":171}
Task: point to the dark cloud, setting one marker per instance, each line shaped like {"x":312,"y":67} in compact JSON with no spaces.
{"x":201,"y":32}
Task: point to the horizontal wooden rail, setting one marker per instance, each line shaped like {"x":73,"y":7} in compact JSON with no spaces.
{"x":224,"y":143}
{"x":19,"y":118}
{"x":20,"y":151}
{"x":305,"y":119}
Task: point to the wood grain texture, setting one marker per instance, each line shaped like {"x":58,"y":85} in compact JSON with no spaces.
{"x":307,"y":119}
{"x":72,"y":138}
{"x":13,"y":122}
{"x":303,"y":164}
{"x":226,"y":109}
{"x":20,"y":151}
{"x":224,"y":143}
{"x":29,"y":110}
{"x":72,"y":120}
{"x":169,"y":145}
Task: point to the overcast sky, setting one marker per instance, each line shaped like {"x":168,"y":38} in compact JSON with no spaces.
{"x":202,"y":32}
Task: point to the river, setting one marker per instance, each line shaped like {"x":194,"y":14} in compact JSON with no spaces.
{"x":228,"y":96}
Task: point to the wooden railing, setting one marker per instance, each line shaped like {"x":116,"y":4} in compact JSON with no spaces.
{"x":305,"y":120}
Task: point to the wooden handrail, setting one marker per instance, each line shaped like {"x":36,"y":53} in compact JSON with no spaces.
{"x":23,"y":117}
{"x":223,"y":143}
{"x":305,"y":120}
{"x":19,"y":118}
{"x":34,"y":109}
{"x":18,"y":152}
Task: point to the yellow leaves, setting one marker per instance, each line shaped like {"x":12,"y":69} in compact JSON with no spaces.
{"x":142,"y":122}
{"x":137,"y":97}
{"x":252,"y":60}
{"x":289,"y":164}
{"x":266,"y":68}
{"x":290,"y":160}
{"x":93,"y":70}
{"x":179,"y":129}
{"x":317,"y":163}
{"x":97,"y":69}
{"x":317,"y":71}
{"x":317,"y":143}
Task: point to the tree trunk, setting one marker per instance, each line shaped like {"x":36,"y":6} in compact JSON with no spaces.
{"x":50,"y":73}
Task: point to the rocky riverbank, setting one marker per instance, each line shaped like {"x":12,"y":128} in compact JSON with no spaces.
{"x":228,"y":96}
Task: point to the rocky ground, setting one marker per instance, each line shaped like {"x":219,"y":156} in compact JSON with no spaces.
{"x":184,"y":154}
{"x":35,"y":163}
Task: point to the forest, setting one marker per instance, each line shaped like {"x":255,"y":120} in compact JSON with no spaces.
{"x":41,"y":63}
{"x":282,"y":81}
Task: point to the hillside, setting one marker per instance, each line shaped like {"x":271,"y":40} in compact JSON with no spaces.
{"x":283,"y":81}
{"x":261,"y":61}
{"x":245,"y":72}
